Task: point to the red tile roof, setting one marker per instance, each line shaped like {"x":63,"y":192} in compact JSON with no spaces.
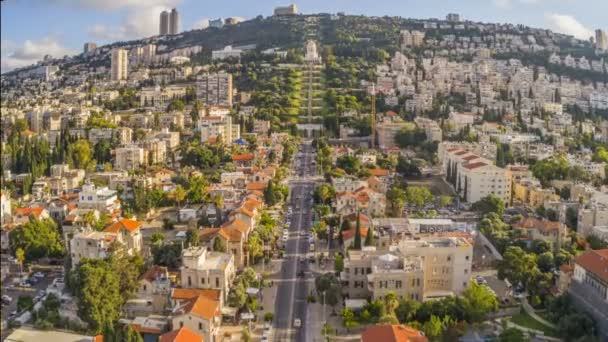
{"x":179,"y":293}
{"x":472,"y":166}
{"x":154,"y":272}
{"x":123,"y":223}
{"x":533,"y":223}
{"x":203,"y":307}
{"x":243,"y":157}
{"x":257,"y":186}
{"x":392,"y":333}
{"x":183,"y":334}
{"x":348,"y":234}
{"x":36,"y":211}
{"x":595,"y":262}
{"x":379,"y":172}
{"x":461,"y":153}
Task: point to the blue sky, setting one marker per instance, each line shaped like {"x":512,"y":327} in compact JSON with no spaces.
{"x":33,"y":28}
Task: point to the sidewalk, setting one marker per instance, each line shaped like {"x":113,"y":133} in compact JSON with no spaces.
{"x":530,"y":311}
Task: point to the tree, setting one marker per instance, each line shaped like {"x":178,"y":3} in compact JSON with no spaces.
{"x":254,"y":245}
{"x":219,"y":245}
{"x":197,"y":192}
{"x":157,"y":239}
{"x":20,"y":255}
{"x":357,"y":242}
{"x":518,"y":266}
{"x":478,"y":302}
{"x":350,"y":164}
{"x":575,"y":326}
{"x":24,"y":302}
{"x":445,"y":201}
{"x":179,"y":194}
{"x":433,"y":328}
{"x":348,"y":319}
{"x":270,"y":194}
{"x":132,"y":335}
{"x":546,"y":262}
{"x":369,"y":239}
{"x":391,"y":302}
{"x":512,"y":335}
{"x":38,"y":239}
{"x":79,"y":154}
{"x":418,"y":196}
{"x":406,"y":310}
{"x":167,"y":255}
{"x":490,"y":204}
{"x":338,"y":263}
{"x":192,"y":237}
{"x":396,"y":197}
{"x":98,"y":292}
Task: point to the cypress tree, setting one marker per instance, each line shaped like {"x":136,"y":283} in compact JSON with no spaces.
{"x":369,"y":239}
{"x":357,"y":243}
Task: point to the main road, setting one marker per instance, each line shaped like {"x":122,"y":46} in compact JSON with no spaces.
{"x":294,"y":281}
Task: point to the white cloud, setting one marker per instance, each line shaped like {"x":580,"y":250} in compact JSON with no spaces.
{"x":502,"y":3}
{"x":201,"y":24}
{"x":110,"y":5}
{"x":567,"y":24}
{"x":137,"y":23}
{"x":30,"y":52}
{"x":505,"y":4}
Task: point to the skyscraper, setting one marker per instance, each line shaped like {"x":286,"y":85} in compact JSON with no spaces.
{"x":601,"y":39}
{"x":89,"y":47}
{"x":174,"y":22}
{"x":164,"y":23}
{"x":120,"y":63}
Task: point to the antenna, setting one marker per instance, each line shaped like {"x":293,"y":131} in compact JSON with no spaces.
{"x":373,"y":115}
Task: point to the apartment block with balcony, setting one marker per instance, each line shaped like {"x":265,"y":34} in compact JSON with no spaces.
{"x":102,"y":199}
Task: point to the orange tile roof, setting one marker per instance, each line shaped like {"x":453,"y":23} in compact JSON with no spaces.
{"x":145,"y":330}
{"x":243,"y":157}
{"x":471,"y":157}
{"x":595,"y":262}
{"x":183,"y":334}
{"x":36,"y":211}
{"x":392,"y":333}
{"x":348,"y":234}
{"x":179,"y":293}
{"x":203,"y":307}
{"x":231,"y":235}
{"x":257,"y":186}
{"x":237,"y":224}
{"x":123,"y":223}
{"x":208,"y":233}
{"x":461,"y":153}
{"x":379,"y":172}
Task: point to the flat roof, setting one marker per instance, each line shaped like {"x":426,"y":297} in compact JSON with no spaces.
{"x":27,"y":334}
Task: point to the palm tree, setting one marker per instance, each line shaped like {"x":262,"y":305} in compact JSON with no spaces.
{"x":392,"y":301}
{"x":179,"y":194}
{"x":20,"y":255}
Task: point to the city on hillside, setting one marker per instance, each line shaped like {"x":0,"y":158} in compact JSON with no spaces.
{"x":308,"y":177}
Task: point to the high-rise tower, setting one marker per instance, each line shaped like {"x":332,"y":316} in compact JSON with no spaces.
{"x":164,"y":23}
{"x":174,"y":22}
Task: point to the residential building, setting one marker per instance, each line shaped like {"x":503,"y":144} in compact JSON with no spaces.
{"x":119,"y":61}
{"x":550,"y":231}
{"x":90,"y":245}
{"x":5,"y":207}
{"x":205,"y":269}
{"x":102,"y":199}
{"x":453,"y":17}
{"x":286,"y":10}
{"x":529,"y":192}
{"x":387,"y":131}
{"x":215,"y":89}
{"x":129,"y":157}
{"x":200,"y":315}
{"x":160,"y":97}
{"x":589,"y":287}
{"x":214,"y":127}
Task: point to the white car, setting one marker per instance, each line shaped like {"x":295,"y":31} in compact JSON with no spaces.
{"x":297,"y":323}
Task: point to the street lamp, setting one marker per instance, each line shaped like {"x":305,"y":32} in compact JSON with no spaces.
{"x":324,"y":320}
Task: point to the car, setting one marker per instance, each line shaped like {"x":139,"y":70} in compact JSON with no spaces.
{"x":297,"y":323}
{"x":285,"y":238}
{"x":6,"y":299}
{"x":39,"y":275}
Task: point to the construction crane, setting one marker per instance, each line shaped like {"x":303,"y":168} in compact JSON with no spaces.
{"x":373,"y":143}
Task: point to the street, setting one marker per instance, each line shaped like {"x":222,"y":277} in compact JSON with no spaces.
{"x":293,"y":289}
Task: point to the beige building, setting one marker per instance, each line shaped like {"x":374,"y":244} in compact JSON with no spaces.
{"x":387,"y":131}
{"x":119,"y":67}
{"x":207,"y":270}
{"x":201,"y":315}
{"x":430,"y":267}
{"x":129,"y":158}
{"x":213,"y":127}
{"x":529,"y":192}
{"x":160,"y":97}
{"x":102,"y":199}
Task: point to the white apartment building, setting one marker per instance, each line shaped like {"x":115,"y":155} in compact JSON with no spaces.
{"x":207,"y":270}
{"x":129,"y":158}
{"x":160,"y":97}
{"x":103,"y":199}
{"x":120,"y":62}
{"x":213,"y":127}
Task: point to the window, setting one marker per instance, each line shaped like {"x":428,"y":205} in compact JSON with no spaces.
{"x":181,"y":324}
{"x":356,"y":271}
{"x":145,"y":287}
{"x":203,"y":281}
{"x":466,"y":258}
{"x":449,"y":258}
{"x":189,"y":281}
{"x":466,"y":271}
{"x":398,"y":284}
{"x":217,"y":282}
{"x":200,"y":326}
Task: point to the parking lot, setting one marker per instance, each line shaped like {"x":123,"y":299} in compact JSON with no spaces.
{"x":14,"y":291}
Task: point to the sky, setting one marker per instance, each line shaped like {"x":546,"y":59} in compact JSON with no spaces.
{"x":33,"y":28}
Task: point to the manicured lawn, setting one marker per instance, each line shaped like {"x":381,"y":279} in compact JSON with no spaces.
{"x":525,"y":320}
